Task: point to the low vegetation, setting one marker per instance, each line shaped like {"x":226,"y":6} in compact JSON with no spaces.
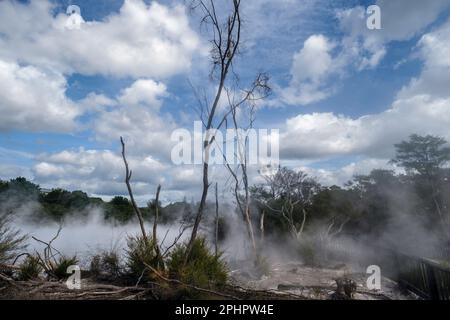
{"x":203,"y":268}
{"x":30,"y":269}
{"x":11,"y":240}
{"x":140,"y":255}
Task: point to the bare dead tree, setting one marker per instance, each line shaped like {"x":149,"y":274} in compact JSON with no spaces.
{"x":292,"y":192}
{"x":245,"y":104}
{"x":154,"y":243}
{"x":226,"y":37}
{"x":155,"y":226}
{"x":261,"y":224}
{"x":225,"y":42}
{"x":47,"y":260}
{"x":334,"y":228}
{"x":216,"y":224}
{"x":128,"y":174}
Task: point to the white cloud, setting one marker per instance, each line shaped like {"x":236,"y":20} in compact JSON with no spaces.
{"x":312,"y":66}
{"x":137,"y":119}
{"x":32,"y":99}
{"x":12,"y":171}
{"x":94,"y":102}
{"x":143,"y":92}
{"x":140,"y":41}
{"x":96,"y":171}
{"x":400,"y":21}
{"x":360,"y":48}
{"x":326,"y":134}
{"x":423,"y":107}
{"x":314,"y":61}
{"x":340,"y":176}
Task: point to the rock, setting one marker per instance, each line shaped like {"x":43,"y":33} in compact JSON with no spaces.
{"x":346,"y":288}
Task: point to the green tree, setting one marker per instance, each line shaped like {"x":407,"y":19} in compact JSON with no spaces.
{"x":424,"y":159}
{"x":120,"y":209}
{"x":424,"y":155}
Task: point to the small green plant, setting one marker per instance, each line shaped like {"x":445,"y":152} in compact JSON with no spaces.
{"x":139,"y":254}
{"x":30,"y":268}
{"x":307,"y":252}
{"x":203,"y":268}
{"x":59,"y":269}
{"x":107,"y":263}
{"x":95,"y":266}
{"x":10,"y":240}
{"x":262,"y":266}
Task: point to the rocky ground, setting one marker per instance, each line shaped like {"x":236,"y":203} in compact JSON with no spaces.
{"x":284,"y":281}
{"x":318,"y":283}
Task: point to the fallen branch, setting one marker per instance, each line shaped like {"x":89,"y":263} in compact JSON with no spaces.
{"x":8,"y":267}
{"x":9,"y":280}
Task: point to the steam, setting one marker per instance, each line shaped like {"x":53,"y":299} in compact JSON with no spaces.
{"x":84,"y":237}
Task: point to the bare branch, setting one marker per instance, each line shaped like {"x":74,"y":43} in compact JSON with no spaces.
{"x":128,"y":174}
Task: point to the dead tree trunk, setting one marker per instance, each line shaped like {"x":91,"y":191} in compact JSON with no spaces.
{"x":155,"y":226}
{"x":226,"y":40}
{"x":216,"y":227}
{"x":128,"y":174}
{"x":261,"y":225}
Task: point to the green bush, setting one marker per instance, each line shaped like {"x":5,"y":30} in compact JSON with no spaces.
{"x":107,"y":264}
{"x":203,"y":269}
{"x":262,"y":266}
{"x":308,"y":253}
{"x":140,"y":253}
{"x":30,"y":268}
{"x":10,"y":240}
{"x":59,"y":270}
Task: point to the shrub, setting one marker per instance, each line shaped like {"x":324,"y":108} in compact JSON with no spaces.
{"x":262,"y":266}
{"x":95,"y":266}
{"x":307,"y":252}
{"x":59,"y":270}
{"x":30,"y":268}
{"x":140,"y":253}
{"x":106,"y":264}
{"x":10,"y":240}
{"x":203,"y":269}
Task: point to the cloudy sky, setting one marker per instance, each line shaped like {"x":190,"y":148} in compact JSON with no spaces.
{"x":342,"y":94}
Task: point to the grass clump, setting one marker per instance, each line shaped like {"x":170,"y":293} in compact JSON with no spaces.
{"x":106,"y":265}
{"x":11,"y":241}
{"x":203,"y":268}
{"x":139,"y":254}
{"x":307,"y":252}
{"x":30,"y":269}
{"x":59,"y":269}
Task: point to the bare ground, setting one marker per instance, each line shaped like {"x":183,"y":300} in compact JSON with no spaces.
{"x":284,"y":281}
{"x":319,"y":283}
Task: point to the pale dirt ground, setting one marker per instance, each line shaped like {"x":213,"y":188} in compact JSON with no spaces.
{"x":317,"y":283}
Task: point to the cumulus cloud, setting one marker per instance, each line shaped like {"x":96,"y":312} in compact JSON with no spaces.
{"x":136,"y":117}
{"x":360,"y":48}
{"x":422,"y":106}
{"x":32,"y":99}
{"x":400,"y":20}
{"x":311,"y":68}
{"x":341,"y":175}
{"x":140,"y":40}
{"x":96,"y":171}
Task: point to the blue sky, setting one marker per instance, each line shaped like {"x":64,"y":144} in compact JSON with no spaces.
{"x":342,"y":94}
